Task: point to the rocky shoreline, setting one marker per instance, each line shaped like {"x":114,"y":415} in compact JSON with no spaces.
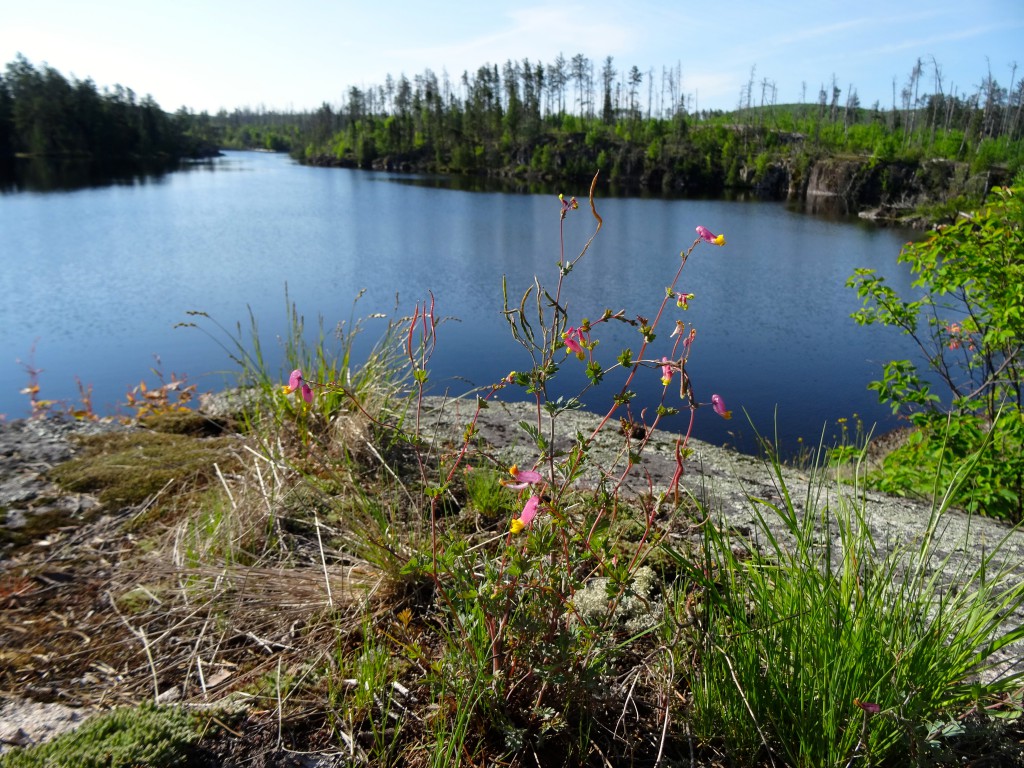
{"x":885,"y":192}
{"x":28,"y":449}
{"x":725,"y":481}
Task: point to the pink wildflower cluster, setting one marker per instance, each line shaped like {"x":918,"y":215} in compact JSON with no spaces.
{"x":577,"y":342}
{"x":683,"y":300}
{"x":670,"y":367}
{"x":575,"y":339}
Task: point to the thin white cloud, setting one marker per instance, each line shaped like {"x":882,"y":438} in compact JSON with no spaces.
{"x":798,"y":34}
{"x":813,"y":33}
{"x":922,"y":43}
{"x":539,"y":32}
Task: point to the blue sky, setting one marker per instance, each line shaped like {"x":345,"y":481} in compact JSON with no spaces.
{"x":209,"y":54}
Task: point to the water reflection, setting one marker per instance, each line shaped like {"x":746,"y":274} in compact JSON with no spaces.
{"x":578,"y":188}
{"x":41,"y":174}
{"x":102,"y":277}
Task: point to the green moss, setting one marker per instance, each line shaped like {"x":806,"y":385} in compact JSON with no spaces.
{"x":144,"y":736}
{"x":187,"y":422}
{"x":128,"y":468}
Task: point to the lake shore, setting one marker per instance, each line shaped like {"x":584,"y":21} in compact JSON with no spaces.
{"x":87,"y":548}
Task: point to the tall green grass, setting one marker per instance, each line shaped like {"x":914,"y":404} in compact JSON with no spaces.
{"x":818,"y":647}
{"x":342,"y":379}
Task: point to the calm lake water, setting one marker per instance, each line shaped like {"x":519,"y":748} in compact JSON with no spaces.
{"x":97,"y":278}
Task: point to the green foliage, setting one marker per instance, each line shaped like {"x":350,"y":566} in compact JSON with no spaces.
{"x":43,"y":114}
{"x":485,"y":493}
{"x":932,"y":454}
{"x":146,"y":736}
{"x":969,"y":325}
{"x":794,"y":633}
{"x":988,"y":153}
{"x":343,"y":380}
{"x":514,"y":120}
{"x":512,"y":612}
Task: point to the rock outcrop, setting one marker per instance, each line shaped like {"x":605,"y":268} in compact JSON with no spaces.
{"x":873,"y":189}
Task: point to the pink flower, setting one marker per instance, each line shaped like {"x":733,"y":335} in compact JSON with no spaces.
{"x":718,"y":405}
{"x":526,"y":516}
{"x":705,"y":234}
{"x":957,"y":336}
{"x":521,"y":478}
{"x":574,"y":339}
{"x":667,"y":369}
{"x":681,"y":329}
{"x":296,"y":382}
{"x":870,"y":707}
{"x":683,"y":300}
{"x":568,"y":205}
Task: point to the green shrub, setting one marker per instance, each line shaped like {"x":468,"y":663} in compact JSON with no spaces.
{"x":969,"y":325}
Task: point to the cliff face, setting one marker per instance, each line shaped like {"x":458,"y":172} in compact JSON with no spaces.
{"x":874,"y":189}
{"x":871,"y":188}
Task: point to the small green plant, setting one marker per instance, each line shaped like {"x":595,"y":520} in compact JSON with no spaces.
{"x":451,"y":723}
{"x":155,"y":737}
{"x":485,"y":492}
{"x":326,"y":357}
{"x":969,"y":326}
{"x":848,"y":443}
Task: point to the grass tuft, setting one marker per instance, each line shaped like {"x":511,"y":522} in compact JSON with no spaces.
{"x":817,"y":647}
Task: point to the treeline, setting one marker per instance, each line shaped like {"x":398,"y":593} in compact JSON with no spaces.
{"x":555,"y":121}
{"x":43,"y":114}
{"x":248,"y":128}
{"x":562,"y":120}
